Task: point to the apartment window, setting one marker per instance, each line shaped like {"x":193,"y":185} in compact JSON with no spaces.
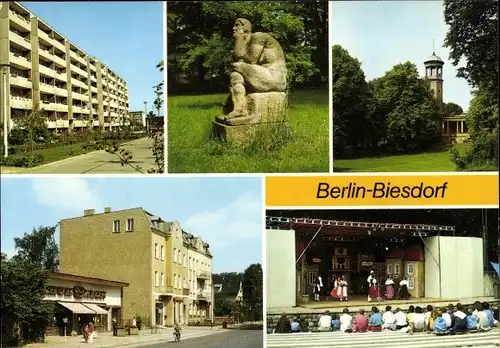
{"x":162,"y":279}
{"x":116,"y":226}
{"x":157,"y":280}
{"x":175,"y":255}
{"x":162,"y":253}
{"x":175,"y":281}
{"x":156,"y":251}
{"x":130,"y":225}
{"x":185,"y":261}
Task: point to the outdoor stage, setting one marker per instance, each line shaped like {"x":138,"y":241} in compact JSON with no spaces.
{"x":356,"y":303}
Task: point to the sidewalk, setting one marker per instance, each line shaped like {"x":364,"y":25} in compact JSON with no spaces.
{"x":145,"y":337}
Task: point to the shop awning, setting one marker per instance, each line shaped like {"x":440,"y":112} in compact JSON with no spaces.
{"x":77,"y":308}
{"x":96,"y":308}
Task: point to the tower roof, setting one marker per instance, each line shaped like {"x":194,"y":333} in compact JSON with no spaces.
{"x":434,"y":59}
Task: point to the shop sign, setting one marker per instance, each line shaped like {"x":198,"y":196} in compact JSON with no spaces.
{"x":366,"y":263}
{"x":76,"y":291}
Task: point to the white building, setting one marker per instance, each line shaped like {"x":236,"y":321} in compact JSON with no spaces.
{"x":80,"y":300}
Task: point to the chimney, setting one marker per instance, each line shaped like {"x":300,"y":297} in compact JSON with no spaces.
{"x":88,"y":212}
{"x":107,"y":210}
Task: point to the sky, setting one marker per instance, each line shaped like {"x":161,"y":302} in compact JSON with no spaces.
{"x":225,"y":212}
{"x":126,"y":36}
{"x":381,"y":34}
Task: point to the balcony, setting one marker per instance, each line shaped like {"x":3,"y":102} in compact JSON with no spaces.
{"x":77,"y":70}
{"x":25,"y":43}
{"x":45,"y":54}
{"x":61,"y":46}
{"x":61,"y":92}
{"x":61,"y":62}
{"x":78,"y":83}
{"x":46,"y":88}
{"x":19,"y":61}
{"x":204,"y":296}
{"x":58,"y":124}
{"x":59,"y":107}
{"x":61,"y":76}
{"x":93,"y":89}
{"x":95,"y":123}
{"x":46,"y":71}
{"x":43,"y":35}
{"x":21,"y":103}
{"x":79,"y":96}
{"x":20,"y":20}
{"x":205,"y":275}
{"x":19,"y":81}
{"x":77,"y":109}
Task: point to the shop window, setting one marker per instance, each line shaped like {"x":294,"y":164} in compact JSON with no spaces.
{"x":409,"y":268}
{"x":130,"y":225}
{"x":116,"y":226}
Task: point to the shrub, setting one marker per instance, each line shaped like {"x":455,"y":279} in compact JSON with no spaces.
{"x":483,"y":155}
{"x":25,"y":161}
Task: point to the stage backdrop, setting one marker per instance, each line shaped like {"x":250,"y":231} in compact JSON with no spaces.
{"x":460,"y":274}
{"x":280,"y":269}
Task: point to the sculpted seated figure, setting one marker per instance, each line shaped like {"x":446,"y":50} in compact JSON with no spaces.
{"x":259,"y":67}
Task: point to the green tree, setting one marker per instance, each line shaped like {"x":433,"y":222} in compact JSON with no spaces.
{"x":350,"y":104}
{"x":23,"y":289}
{"x":158,"y":90}
{"x":38,"y":248}
{"x":200,"y":38}
{"x":473,"y":36}
{"x":452,"y":109}
{"x":252,"y":291}
{"x":222,"y":305}
{"x":412,"y":119}
{"x":33,"y":126}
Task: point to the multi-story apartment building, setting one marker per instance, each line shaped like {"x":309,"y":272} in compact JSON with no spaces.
{"x":41,"y":69}
{"x":167,"y":269}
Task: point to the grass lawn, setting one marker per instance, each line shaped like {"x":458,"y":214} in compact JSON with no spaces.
{"x":190,"y":149}
{"x":432,"y":161}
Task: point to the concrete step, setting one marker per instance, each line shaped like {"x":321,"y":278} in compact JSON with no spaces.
{"x":386,"y":339}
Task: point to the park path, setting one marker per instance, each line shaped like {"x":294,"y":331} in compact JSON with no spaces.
{"x":97,"y":162}
{"x":385,"y":339}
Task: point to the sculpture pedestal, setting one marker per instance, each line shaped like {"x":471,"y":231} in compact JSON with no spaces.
{"x":267,"y":107}
{"x":240,"y":134}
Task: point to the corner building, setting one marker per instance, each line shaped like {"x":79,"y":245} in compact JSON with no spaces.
{"x":41,"y":69}
{"x":169,"y":271}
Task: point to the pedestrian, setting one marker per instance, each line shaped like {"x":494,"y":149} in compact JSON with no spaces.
{"x":91,"y":332}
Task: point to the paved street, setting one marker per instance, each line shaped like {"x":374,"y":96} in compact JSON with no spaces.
{"x":386,"y":339}
{"x":98,"y":162}
{"x":226,"y":339}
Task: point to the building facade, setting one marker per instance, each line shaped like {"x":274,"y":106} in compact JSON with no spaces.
{"x":168,"y":270}
{"x":80,"y":300}
{"x":137,"y":118}
{"x":42,"y":70}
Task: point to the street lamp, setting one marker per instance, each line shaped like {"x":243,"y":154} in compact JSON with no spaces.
{"x":6,"y":109}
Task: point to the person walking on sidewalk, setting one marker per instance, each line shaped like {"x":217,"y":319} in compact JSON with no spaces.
{"x":91,"y":332}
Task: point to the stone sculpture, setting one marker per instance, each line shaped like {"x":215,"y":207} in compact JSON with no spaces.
{"x":257,"y":91}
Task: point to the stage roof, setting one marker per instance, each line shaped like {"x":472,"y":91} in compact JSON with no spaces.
{"x":331,"y":228}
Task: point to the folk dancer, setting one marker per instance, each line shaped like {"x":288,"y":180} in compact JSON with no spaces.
{"x":389,"y":288}
{"x":374,"y":291}
{"x":369,"y":281}
{"x":343,"y":286}
{"x":403,"y":289}
{"x":317,"y":288}
{"x":336,"y":292}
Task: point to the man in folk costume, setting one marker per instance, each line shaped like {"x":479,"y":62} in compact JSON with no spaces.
{"x":369,"y":281}
{"x":317,"y":287}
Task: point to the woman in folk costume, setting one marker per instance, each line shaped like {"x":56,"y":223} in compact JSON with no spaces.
{"x":336,"y":292}
{"x":374,"y":292}
{"x":343,"y":286}
{"x":403,"y":289}
{"x":389,"y":288}
{"x":317,"y":287}
{"x":369,"y":281}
